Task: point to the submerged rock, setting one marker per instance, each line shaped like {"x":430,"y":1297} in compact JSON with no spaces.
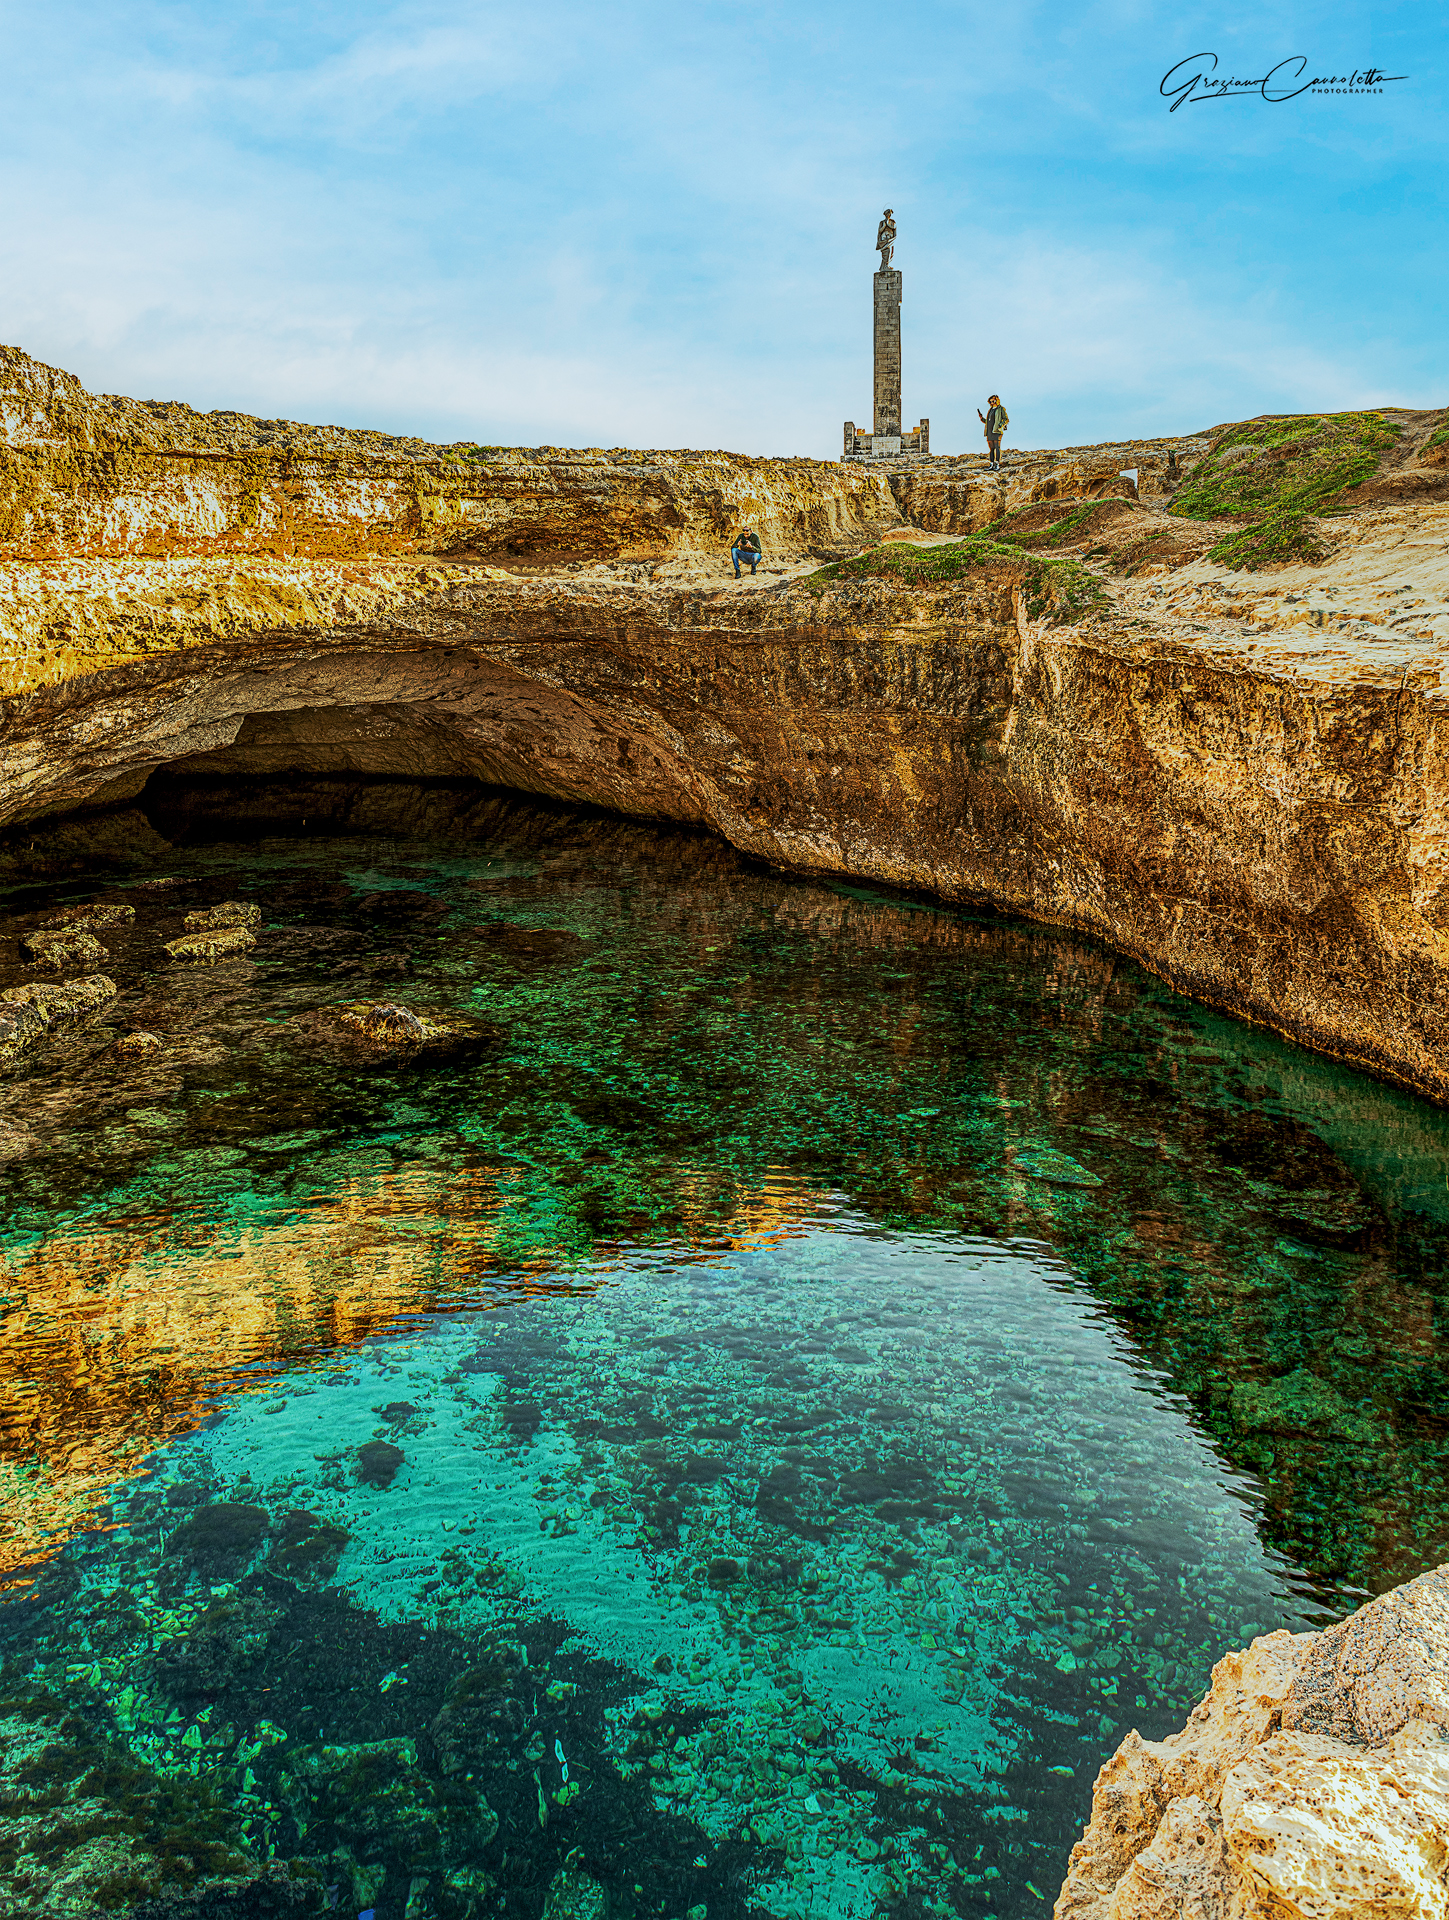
{"x":307,"y":1549}
{"x":575,"y":1895}
{"x":219,"y":1540}
{"x":378,"y":1462}
{"x":231,"y":913}
{"x":379,"y":1801}
{"x":201,"y":949}
{"x":481,"y":1719}
{"x":88,"y":918}
{"x":1313,"y":1780}
{"x":64,"y":947}
{"x":30,"y":1013}
{"x":138,"y":1043}
{"x":1297,"y":1403}
{"x":385,"y":1030}
{"x":227,"y":1638}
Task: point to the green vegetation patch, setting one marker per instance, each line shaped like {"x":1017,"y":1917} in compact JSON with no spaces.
{"x":1061,"y":586}
{"x":1055,"y":535}
{"x":1274,"y":542}
{"x":1276,"y":473}
{"x":1439,"y":439}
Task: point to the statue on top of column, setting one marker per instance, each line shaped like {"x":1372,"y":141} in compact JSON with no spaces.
{"x":885,"y":239}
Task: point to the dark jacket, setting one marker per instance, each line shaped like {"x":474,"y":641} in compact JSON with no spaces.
{"x":746,"y":543}
{"x":995,"y":422}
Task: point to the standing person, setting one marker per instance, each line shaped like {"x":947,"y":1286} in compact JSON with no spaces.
{"x":746,"y":547}
{"x":996,"y":421}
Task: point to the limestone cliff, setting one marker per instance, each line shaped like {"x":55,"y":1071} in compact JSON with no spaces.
{"x":1098,"y":711}
{"x":88,"y":474}
{"x":1313,"y":1780}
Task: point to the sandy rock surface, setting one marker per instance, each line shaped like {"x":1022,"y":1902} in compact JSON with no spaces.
{"x":1312,"y":1781}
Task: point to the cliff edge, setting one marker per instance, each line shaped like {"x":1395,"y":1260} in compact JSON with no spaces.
{"x":1189,"y":696}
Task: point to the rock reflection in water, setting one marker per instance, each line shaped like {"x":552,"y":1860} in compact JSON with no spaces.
{"x":676,"y":1446}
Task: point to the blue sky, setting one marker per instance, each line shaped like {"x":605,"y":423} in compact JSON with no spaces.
{"x":651,"y":225}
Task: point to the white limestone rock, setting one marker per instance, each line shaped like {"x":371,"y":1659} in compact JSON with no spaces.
{"x":1312,"y":1783}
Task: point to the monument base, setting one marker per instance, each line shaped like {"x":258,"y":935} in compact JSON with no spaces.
{"x":916,"y":440}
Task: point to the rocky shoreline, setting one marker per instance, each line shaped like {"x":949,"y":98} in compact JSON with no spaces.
{"x":1313,"y":1779}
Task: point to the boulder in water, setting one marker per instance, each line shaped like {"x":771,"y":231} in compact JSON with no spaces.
{"x":203,"y":949}
{"x":385,"y":1030}
{"x":30,"y":1013}
{"x":379,"y":1801}
{"x":231,"y":913}
{"x":62,"y":947}
{"x":378,"y":1462}
{"x":307,"y":1549}
{"x":138,"y":1044}
{"x":88,"y":918}
{"x":220,"y":1539}
{"x":384,"y":1022}
{"x":481,"y":1719}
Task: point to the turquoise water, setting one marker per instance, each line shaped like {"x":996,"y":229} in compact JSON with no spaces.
{"x":750,"y":1431}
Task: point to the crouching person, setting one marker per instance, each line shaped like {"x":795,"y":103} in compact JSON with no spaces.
{"x":746,"y":547}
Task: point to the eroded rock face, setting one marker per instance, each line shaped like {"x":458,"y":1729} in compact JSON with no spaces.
{"x":1240,"y":779}
{"x":1313,"y":1780}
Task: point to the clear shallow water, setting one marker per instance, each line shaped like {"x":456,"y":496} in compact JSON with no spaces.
{"x":827,"y":1372}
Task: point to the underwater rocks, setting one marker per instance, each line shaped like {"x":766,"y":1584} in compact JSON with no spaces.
{"x":203,"y":949}
{"x":219,"y":1540}
{"x":65,"y":947}
{"x":481,"y":1720}
{"x":1297,"y":1403}
{"x":378,"y":1463}
{"x":381,"y":1803}
{"x":307,"y":1549}
{"x":31,"y":1013}
{"x":384,"y":1030}
{"x":90,"y":1830}
{"x":229,"y":1636}
{"x":67,"y":938}
{"x":137,"y":1045}
{"x":1312,"y":1780}
{"x":231,"y":913}
{"x":573,"y":1895}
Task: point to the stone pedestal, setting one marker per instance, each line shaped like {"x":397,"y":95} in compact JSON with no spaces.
{"x":887,"y":436}
{"x":887,"y":354}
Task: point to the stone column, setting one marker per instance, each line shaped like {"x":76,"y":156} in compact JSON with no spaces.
{"x":887,"y":352}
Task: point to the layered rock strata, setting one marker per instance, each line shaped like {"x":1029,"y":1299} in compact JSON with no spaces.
{"x":1073,"y":710}
{"x":93,"y":475}
{"x":1258,"y":813}
{"x":1312,"y":1780}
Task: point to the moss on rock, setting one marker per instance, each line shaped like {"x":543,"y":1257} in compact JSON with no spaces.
{"x":1275,"y":473}
{"x":1061,"y":588}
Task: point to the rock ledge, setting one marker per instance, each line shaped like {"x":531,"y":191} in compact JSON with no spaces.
{"x":1312,"y":1781}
